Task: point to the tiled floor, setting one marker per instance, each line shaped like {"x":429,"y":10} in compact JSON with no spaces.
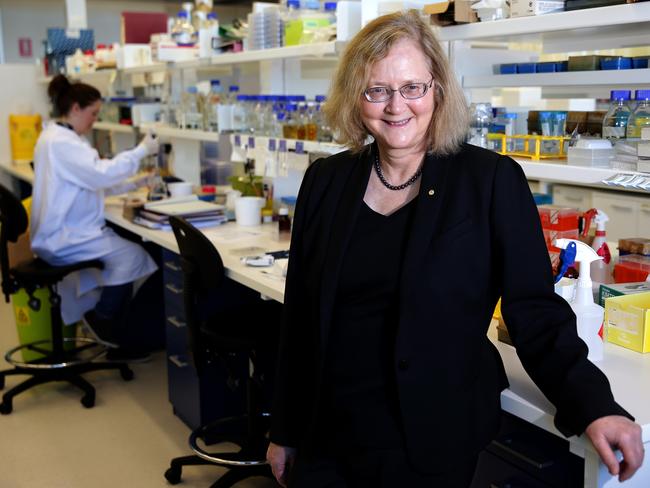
{"x":51,"y":441}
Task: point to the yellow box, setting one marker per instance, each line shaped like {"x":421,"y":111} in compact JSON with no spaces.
{"x":627,"y":320}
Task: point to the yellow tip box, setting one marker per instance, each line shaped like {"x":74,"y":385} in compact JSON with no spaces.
{"x":627,"y":321}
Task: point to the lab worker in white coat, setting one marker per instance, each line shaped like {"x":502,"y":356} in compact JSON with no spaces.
{"x":67,"y":220}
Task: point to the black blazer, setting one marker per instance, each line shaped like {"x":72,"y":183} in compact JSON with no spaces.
{"x":476,"y":236}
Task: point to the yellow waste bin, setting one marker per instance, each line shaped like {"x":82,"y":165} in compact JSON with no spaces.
{"x":23,"y":133}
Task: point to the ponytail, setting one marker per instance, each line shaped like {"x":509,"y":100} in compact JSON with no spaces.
{"x":64,"y":95}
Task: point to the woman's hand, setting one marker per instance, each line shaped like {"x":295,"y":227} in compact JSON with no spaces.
{"x":150,"y":143}
{"x":616,"y":431}
{"x":281,"y":459}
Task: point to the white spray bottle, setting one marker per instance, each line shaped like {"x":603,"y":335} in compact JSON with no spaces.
{"x":589,"y":315}
{"x":601,"y":270}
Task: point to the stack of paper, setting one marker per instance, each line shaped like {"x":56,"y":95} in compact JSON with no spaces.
{"x":155,"y":215}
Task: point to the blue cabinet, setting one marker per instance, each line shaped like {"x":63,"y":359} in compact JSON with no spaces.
{"x":197,"y":400}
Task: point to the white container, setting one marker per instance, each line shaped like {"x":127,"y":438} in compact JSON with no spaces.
{"x":248,"y":211}
{"x":523,"y":8}
{"x":132,"y":55}
{"x":179,"y":189}
{"x":596,"y":153}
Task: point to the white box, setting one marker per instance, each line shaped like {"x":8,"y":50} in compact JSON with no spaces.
{"x":523,"y":8}
{"x":169,"y":51}
{"x":645,"y":133}
{"x":132,"y":55}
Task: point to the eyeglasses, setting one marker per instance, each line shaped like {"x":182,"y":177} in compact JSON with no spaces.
{"x":410,"y":91}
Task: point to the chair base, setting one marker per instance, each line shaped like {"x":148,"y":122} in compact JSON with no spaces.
{"x":249,"y":461}
{"x":70,"y":373}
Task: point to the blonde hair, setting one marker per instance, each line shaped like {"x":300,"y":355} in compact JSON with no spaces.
{"x":449,"y":122}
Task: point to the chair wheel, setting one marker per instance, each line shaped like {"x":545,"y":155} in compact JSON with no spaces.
{"x":173,"y":476}
{"x":5,"y":408}
{"x":126,"y":373}
{"x":88,"y":401}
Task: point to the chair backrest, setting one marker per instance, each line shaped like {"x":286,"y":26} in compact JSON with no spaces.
{"x":203,"y":275}
{"x":13,"y":223}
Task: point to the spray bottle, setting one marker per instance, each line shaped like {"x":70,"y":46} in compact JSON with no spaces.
{"x":600,"y":270}
{"x":589,"y":315}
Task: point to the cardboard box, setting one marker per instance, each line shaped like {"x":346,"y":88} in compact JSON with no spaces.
{"x":620,"y":289}
{"x":523,"y":8}
{"x":451,"y":12}
{"x":627,"y":321}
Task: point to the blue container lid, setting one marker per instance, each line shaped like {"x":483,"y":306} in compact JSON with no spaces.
{"x":289,"y":200}
{"x":321,"y":98}
{"x":293,"y":3}
{"x":620,"y":95}
{"x":182,"y":14}
{"x":280,"y":116}
{"x":329,"y":6}
{"x":191,"y":89}
{"x":642,"y":95}
{"x":297,"y":98}
{"x":242,"y":98}
{"x":233,"y":88}
{"x":215,"y":82}
{"x":292,"y":107}
{"x":212,"y":16}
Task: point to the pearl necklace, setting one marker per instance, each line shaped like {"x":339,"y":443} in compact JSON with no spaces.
{"x":406,"y":184}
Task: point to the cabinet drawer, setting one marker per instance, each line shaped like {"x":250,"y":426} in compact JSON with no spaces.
{"x":571,"y":196}
{"x":623,"y":213}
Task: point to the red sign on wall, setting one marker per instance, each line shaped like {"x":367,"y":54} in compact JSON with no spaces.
{"x":25,"y":47}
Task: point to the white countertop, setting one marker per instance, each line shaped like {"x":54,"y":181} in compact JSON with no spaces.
{"x":627,"y":371}
{"x":230,"y":239}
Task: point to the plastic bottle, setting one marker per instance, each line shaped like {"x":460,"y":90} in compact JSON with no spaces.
{"x":480,"y":120}
{"x":214,"y":100}
{"x":640,"y":117}
{"x":589,"y":315}
{"x":615,"y":122}
{"x":209,"y":36}
{"x":311,"y":132}
{"x":601,"y":270}
{"x":301,"y":122}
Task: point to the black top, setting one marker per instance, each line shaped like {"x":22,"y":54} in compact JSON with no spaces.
{"x":360,"y":390}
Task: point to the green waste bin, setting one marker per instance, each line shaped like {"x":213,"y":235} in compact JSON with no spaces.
{"x":35,"y":325}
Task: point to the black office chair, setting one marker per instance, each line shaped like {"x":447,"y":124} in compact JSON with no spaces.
{"x":215,"y":338}
{"x":58,"y":363}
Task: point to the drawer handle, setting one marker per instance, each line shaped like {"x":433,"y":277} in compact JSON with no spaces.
{"x":622,"y":208}
{"x":173,"y":289}
{"x":519,"y":455}
{"x":178,"y":362}
{"x":173,"y":266}
{"x":176,"y":323}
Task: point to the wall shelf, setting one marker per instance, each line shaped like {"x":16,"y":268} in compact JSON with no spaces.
{"x":634,"y":77}
{"x":175,"y":133}
{"x":309,"y":146}
{"x":317,"y":50}
{"x":113,"y":127}
{"x":560,"y":172}
{"x":523,"y":27}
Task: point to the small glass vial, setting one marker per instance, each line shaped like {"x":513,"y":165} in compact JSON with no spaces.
{"x":284,"y":223}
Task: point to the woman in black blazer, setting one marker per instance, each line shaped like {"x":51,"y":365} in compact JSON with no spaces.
{"x":400,"y":251}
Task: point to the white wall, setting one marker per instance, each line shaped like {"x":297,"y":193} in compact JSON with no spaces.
{"x":20,"y":92}
{"x":31,"y":18}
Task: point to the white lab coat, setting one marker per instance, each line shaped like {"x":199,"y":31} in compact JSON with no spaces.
{"x":67,"y":218}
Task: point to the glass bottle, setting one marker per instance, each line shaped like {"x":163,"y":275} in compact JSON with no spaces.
{"x":480,"y":120}
{"x":640,"y":117}
{"x":615,"y":122}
